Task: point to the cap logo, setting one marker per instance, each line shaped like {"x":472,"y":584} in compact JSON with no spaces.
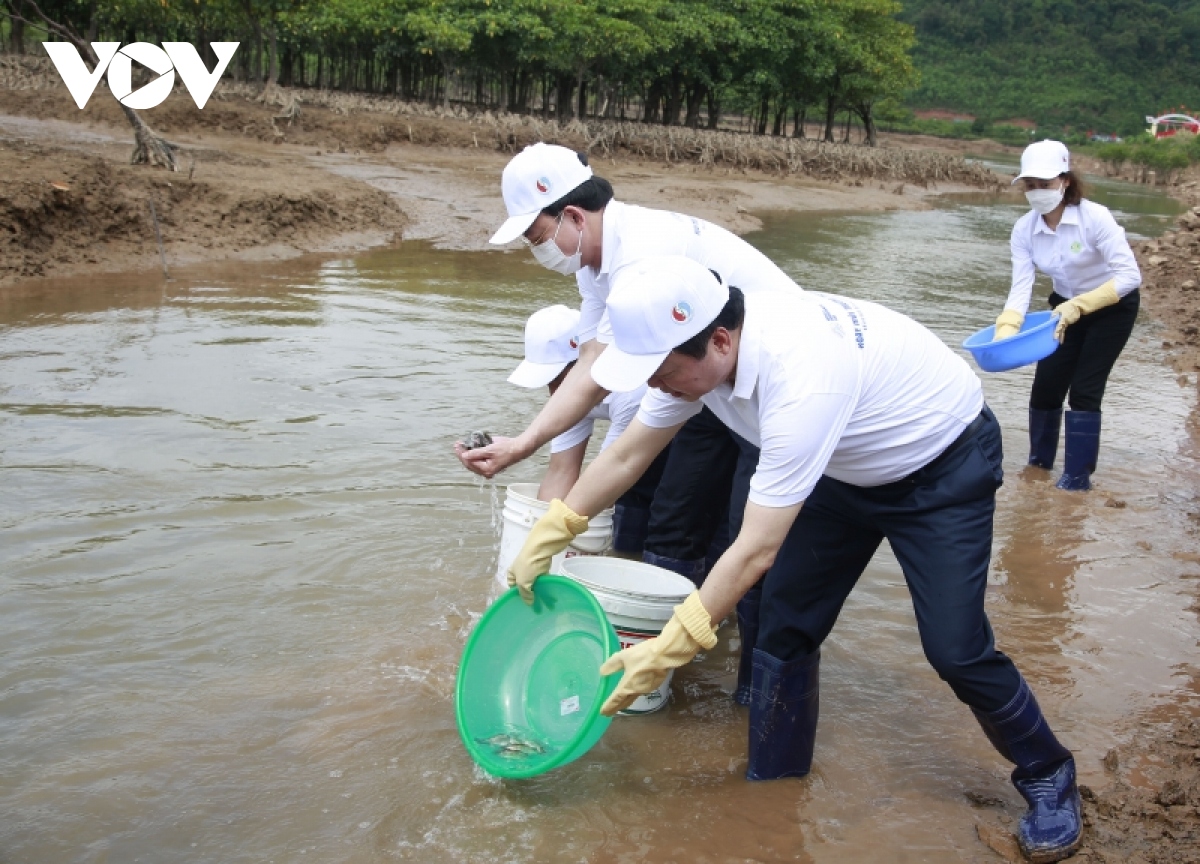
{"x":543,"y":185}
{"x":681,"y":313}
{"x":573,"y":343}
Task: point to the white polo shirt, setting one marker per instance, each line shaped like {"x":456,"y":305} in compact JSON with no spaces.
{"x":618,"y":409}
{"x":632,"y":233}
{"x":1086,"y":250}
{"x":830,"y":385}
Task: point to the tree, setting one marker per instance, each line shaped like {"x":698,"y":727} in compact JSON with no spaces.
{"x":444,"y":29}
{"x":149,"y":148}
{"x":873,"y":60}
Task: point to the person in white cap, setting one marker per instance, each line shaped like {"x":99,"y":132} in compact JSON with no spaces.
{"x":551,"y":349}
{"x":1081,"y":247}
{"x":568,"y":218}
{"x":870,"y":428}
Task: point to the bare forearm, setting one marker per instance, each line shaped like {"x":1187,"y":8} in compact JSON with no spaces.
{"x":562,"y":473}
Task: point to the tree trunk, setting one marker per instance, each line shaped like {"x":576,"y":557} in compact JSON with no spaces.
{"x":764,"y":111}
{"x":868,"y":120}
{"x":270,"y":91}
{"x":714,"y":108}
{"x":674,"y":100}
{"x":564,"y":90}
{"x":256,"y":53}
{"x":581,"y":112}
{"x":603,"y":98}
{"x":798,"y":123}
{"x":447,"y":69}
{"x":653,"y":98}
{"x":16,"y":33}
{"x":830,"y":115}
{"x":524,"y":91}
{"x":287,"y":65}
{"x":150,"y":148}
{"x":695,"y":96}
{"x":780,"y":117}
{"x":273,"y":57}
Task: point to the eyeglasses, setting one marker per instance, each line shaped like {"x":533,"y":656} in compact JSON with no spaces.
{"x":545,"y":237}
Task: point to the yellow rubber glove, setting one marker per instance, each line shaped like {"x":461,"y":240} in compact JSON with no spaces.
{"x":647,"y":663}
{"x":1084,"y":304}
{"x":549,"y":535}
{"x":1008,"y":324}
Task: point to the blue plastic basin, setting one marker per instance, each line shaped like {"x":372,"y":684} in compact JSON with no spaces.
{"x":1032,"y":343}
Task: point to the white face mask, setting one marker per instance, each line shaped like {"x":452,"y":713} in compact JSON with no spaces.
{"x":551,"y":257}
{"x":1045,"y":200}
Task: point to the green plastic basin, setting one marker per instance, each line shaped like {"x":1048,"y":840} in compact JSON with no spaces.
{"x":529,"y":687}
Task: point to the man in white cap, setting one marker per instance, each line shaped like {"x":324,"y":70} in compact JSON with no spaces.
{"x":572,"y":225}
{"x":551,"y":349}
{"x":880,"y":431}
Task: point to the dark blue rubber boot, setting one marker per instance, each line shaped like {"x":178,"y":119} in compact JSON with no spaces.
{"x":783,"y":716}
{"x":694,"y":570}
{"x":1082,"y":449}
{"x":747,"y":620}
{"x":1043,"y":436}
{"x":629,"y":529}
{"x":1052,"y":828}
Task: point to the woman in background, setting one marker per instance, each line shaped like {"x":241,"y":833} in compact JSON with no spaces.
{"x":1078,"y":244}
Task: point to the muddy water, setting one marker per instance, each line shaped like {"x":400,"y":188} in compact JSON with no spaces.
{"x":239,"y":565}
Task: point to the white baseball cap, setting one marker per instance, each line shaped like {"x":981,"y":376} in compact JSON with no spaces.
{"x":1044,"y":160}
{"x":550,"y":344}
{"x":533,"y":179}
{"x":656,"y":304}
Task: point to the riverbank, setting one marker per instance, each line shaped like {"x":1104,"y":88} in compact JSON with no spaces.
{"x":260,"y":181}
{"x":1171,"y":287}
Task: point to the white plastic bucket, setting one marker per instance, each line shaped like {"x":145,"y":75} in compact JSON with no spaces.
{"x":522,"y":508}
{"x":639,"y":599}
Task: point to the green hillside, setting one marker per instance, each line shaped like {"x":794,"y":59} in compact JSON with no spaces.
{"x":1088,"y":64}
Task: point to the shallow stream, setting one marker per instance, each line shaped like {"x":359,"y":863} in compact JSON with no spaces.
{"x":238,"y":563}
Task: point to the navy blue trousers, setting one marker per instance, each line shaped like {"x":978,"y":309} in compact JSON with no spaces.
{"x":939,"y":524}
{"x":692,"y":498}
{"x":632,"y":515}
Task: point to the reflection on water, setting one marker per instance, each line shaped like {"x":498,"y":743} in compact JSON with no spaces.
{"x":240,"y":563}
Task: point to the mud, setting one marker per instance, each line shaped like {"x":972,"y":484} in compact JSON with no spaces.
{"x":1171,"y":288}
{"x":255,"y":183}
{"x":80,"y":207}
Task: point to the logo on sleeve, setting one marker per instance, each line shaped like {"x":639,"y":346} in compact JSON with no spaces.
{"x":681,"y":313}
